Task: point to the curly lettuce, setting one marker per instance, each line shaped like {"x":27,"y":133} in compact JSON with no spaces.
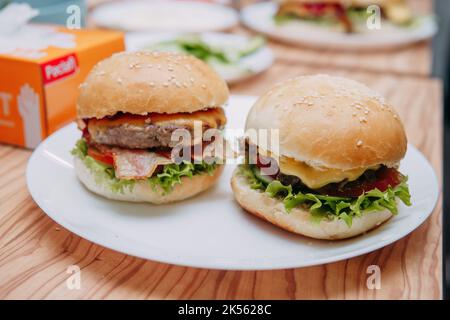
{"x":169,"y":177}
{"x":172,"y":173}
{"x":103,"y":174}
{"x":209,"y":51}
{"x":323,"y":206}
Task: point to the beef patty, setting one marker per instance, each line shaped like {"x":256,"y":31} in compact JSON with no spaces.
{"x":152,"y":130}
{"x":136,"y":136}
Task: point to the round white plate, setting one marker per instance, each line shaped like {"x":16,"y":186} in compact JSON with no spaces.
{"x":210,"y":230}
{"x":176,"y":15}
{"x":245,"y":68}
{"x":259,"y":17}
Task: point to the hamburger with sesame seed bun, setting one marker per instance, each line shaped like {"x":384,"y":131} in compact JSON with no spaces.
{"x":129,"y":109}
{"x":334,"y":172}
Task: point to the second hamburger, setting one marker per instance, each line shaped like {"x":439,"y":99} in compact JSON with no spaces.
{"x":334,"y":173}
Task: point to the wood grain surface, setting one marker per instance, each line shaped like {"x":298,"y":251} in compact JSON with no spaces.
{"x":35,"y":252}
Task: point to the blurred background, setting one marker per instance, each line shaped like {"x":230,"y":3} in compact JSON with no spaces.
{"x":407,"y":46}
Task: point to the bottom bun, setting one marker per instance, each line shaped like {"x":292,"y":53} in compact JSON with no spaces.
{"x":298,"y":219}
{"x":143,"y":191}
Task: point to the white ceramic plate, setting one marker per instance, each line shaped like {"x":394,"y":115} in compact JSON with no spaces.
{"x":259,"y":17}
{"x":245,"y":68}
{"x":210,"y":230}
{"x":186,"y":16}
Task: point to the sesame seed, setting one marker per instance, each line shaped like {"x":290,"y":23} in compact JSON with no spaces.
{"x":359,"y":143}
{"x":362,"y":119}
{"x":192,"y":80}
{"x":366,"y":111}
{"x":204,"y":86}
{"x":354,"y":114}
{"x":119,"y":80}
{"x":152,"y":84}
{"x":165,"y":84}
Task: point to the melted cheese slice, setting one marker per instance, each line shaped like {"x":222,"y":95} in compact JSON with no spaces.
{"x":312,"y":177}
{"x":316,"y":178}
{"x":211,"y":118}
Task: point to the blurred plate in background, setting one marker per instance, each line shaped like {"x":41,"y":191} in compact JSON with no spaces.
{"x":185,"y":16}
{"x":234,"y":57}
{"x":260,"y":17}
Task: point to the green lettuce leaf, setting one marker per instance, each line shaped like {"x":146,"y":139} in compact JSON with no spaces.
{"x":358,"y":14}
{"x":172,"y":173}
{"x":80,"y":149}
{"x":223,"y":53}
{"x":103,"y":173}
{"x":170,"y":176}
{"x":323,"y":206}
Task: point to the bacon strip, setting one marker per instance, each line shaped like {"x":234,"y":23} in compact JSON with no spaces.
{"x":140,"y":164}
{"x":136,"y":164}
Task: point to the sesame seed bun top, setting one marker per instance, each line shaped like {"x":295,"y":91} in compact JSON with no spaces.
{"x":331,"y":122}
{"x":145,"y":82}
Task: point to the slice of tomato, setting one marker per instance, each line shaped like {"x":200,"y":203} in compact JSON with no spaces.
{"x":105,"y":157}
{"x":383,"y":179}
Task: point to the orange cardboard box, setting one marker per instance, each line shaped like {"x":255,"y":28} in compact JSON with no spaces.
{"x":39,"y":80}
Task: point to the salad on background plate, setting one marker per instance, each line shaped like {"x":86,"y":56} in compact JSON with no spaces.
{"x":234,"y":57}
